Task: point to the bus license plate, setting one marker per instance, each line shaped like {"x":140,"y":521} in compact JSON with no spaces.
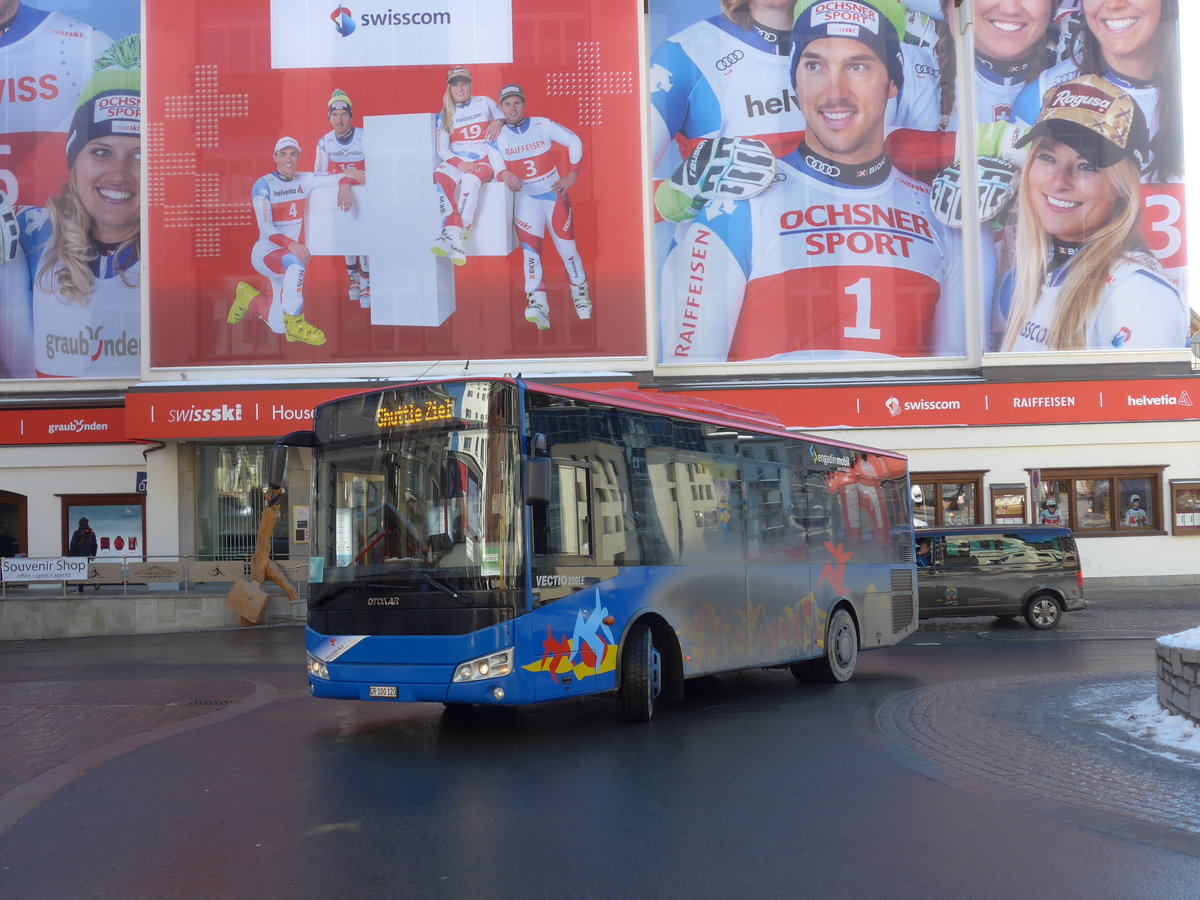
{"x":382,"y":690}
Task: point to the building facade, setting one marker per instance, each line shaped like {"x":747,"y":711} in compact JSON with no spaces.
{"x":845,"y":291}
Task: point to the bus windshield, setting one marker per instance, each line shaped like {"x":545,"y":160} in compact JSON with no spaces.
{"x":420,"y":486}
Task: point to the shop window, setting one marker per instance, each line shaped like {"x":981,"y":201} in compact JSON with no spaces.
{"x":119,"y":521}
{"x":229,"y":502}
{"x":1185,"y":506}
{"x":13,"y":523}
{"x":950,"y":498}
{"x":1101,"y":501}
{"x":1008,"y":504}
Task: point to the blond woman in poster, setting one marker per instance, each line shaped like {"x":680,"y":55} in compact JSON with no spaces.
{"x":464,"y":128}
{"x":1083,"y":278}
{"x":83,"y":248}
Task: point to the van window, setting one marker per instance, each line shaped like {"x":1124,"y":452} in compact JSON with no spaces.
{"x":1000,"y":548}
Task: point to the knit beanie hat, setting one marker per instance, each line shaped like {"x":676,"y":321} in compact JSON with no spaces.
{"x":877,"y":23}
{"x":111,"y":101}
{"x":340,"y":100}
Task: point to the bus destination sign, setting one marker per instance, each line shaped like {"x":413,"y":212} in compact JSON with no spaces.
{"x":415,"y":413}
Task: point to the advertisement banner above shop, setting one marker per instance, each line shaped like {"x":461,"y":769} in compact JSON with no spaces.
{"x":62,"y":426}
{"x":256,"y":412}
{"x":912,"y":406}
{"x":229,"y":413}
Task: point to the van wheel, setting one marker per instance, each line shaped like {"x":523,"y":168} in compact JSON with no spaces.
{"x":1043,"y":612}
{"x":841,"y":649}
{"x":641,"y":675}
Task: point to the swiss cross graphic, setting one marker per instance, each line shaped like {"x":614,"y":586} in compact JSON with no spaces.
{"x":591,"y":83}
{"x":207,"y":213}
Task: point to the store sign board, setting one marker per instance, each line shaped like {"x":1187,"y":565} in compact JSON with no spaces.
{"x":63,"y":426}
{"x":55,"y":568}
{"x":219,"y":414}
{"x":186,"y":415}
{"x":1042,"y":403}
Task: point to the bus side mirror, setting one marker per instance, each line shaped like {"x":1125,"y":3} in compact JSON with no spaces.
{"x":278,"y":456}
{"x":537,"y":481}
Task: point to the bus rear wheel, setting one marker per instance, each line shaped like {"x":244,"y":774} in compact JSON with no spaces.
{"x":841,"y":649}
{"x":641,"y":675}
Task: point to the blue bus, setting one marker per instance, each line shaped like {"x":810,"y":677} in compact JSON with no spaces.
{"x":496,"y":541}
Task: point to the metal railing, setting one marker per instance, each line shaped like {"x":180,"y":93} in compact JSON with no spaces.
{"x":165,"y":574}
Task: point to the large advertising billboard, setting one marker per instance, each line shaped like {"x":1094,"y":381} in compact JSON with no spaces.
{"x":70,"y":188}
{"x":1093,"y":246}
{"x":812,"y":198}
{"x":443,"y":181}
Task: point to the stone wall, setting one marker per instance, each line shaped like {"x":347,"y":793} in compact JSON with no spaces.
{"x":1179,"y":680}
{"x":95,"y":615}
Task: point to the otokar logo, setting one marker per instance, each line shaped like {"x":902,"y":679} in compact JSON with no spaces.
{"x":343,"y":21}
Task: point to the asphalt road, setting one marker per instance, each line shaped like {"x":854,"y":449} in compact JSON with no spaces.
{"x":972,"y":761}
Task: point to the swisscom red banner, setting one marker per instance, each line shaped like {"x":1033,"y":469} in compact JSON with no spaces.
{"x":359,"y":183}
{"x":1042,"y":403}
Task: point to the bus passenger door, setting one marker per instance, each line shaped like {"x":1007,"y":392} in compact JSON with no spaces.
{"x":779,"y":604}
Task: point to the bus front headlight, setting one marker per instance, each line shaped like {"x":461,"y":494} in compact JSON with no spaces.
{"x":317,"y":669}
{"x":494,"y":665}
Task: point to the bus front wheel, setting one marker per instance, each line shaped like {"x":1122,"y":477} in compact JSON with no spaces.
{"x":841,"y":649}
{"x":641,"y":675}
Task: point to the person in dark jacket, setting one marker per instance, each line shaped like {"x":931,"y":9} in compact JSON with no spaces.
{"x":83,"y":543}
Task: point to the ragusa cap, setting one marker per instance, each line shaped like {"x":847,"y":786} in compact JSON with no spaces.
{"x":1096,"y":119}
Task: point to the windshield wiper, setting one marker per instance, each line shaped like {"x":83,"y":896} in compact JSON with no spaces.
{"x":457,"y":595}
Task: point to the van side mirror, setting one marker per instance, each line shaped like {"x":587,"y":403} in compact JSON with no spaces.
{"x":537,"y":481}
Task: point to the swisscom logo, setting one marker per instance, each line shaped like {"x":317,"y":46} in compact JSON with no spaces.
{"x":343,"y":21}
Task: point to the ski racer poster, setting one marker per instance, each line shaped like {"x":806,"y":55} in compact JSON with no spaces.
{"x":808,"y":160}
{"x":794,"y":233}
{"x":1084,"y":108}
{"x":70,"y":199}
{"x":443,"y":181}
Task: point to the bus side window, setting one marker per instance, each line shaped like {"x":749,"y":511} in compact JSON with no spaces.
{"x":563,"y":527}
